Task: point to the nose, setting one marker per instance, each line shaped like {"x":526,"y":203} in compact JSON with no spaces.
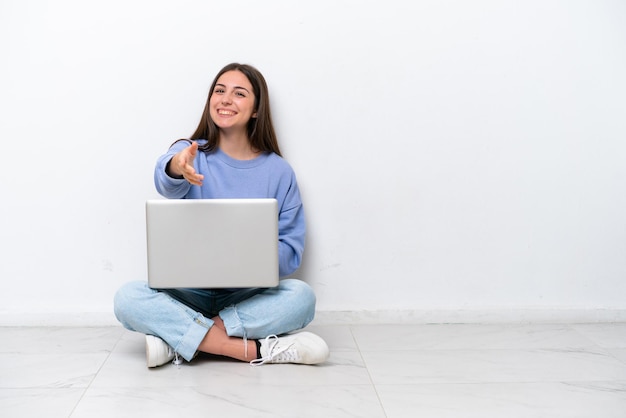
{"x":226,"y":99}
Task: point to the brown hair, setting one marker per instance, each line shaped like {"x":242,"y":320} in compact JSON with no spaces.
{"x":261,"y":132}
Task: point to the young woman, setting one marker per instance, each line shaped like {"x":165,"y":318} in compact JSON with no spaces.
{"x":232,"y":154}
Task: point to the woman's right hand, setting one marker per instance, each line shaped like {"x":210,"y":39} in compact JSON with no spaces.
{"x":181,"y":164}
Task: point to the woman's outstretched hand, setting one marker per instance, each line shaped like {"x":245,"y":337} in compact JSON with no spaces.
{"x":182,"y":165}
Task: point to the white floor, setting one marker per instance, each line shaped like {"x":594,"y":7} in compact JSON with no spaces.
{"x":374,"y":371}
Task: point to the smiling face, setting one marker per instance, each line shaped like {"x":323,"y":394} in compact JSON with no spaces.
{"x":232,"y":102}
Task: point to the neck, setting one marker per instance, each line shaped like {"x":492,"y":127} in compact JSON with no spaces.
{"x":237,"y":146}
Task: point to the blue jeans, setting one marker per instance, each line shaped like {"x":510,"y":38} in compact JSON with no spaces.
{"x":182,"y":317}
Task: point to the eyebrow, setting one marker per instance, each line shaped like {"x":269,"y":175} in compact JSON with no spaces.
{"x":236,"y":87}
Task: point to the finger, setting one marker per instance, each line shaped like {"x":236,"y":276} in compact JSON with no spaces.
{"x":193,"y":149}
{"x":190,"y":174}
{"x":188,"y":169}
{"x":195,"y":180}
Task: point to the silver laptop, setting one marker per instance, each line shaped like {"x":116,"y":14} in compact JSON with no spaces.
{"x":212,"y":243}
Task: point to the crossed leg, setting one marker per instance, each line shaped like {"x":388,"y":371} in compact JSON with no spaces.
{"x":218,"y":342}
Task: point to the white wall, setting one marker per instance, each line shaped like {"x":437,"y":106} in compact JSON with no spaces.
{"x":453,"y":156}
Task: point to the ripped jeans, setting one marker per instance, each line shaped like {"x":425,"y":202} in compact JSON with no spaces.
{"x":181,"y":317}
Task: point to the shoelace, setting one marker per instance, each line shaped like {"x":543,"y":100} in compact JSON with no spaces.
{"x":177,"y":360}
{"x":276,"y":354}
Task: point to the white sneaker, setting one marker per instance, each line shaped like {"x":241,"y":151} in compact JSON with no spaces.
{"x":301,"y":348}
{"x":157,"y":351}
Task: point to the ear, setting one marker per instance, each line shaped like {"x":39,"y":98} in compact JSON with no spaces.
{"x":254,"y":115}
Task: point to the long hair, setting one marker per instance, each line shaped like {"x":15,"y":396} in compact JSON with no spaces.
{"x":261,"y":132}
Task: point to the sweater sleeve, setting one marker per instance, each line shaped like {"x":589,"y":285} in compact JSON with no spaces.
{"x":291,"y":232}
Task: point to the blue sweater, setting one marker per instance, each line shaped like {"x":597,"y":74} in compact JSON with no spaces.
{"x":267,"y":176}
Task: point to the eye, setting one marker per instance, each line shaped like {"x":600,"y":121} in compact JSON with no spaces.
{"x":218,"y":90}
{"x":240,"y":93}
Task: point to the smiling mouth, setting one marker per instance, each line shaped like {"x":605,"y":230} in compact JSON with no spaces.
{"x":226,"y":112}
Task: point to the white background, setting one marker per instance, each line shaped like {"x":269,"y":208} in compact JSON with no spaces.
{"x":452,"y":155}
